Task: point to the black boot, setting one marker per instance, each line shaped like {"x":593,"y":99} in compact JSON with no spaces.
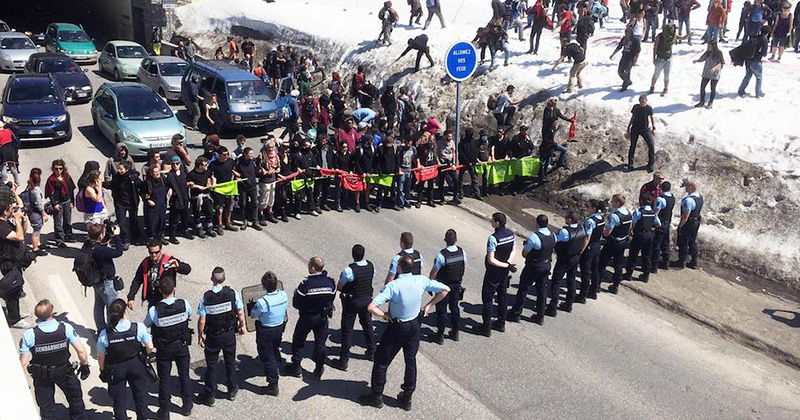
{"x":551,"y":311}
{"x":565,"y":306}
{"x":339,"y":364}
{"x":372,"y":399}
{"x":485,"y":330}
{"x":404,"y":398}
{"x":454,"y":334}
{"x":272,"y":390}
{"x":499,"y":325}
{"x":438,"y":338}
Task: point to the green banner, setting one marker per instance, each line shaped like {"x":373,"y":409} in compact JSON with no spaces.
{"x":227,"y":188}
{"x":298,"y":184}
{"x":499,"y":171}
{"x":383,"y":180}
{"x":526,"y":167}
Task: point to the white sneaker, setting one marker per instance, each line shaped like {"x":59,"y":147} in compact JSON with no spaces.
{"x":297,"y":216}
{"x":23,"y":324}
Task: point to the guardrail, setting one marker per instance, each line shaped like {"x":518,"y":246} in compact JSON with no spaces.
{"x":15,"y":396}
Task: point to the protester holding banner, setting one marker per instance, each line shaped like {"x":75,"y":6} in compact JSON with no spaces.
{"x":446,"y":151}
{"x":427,"y":161}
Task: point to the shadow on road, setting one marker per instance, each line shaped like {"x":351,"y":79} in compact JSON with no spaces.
{"x":793,"y":322}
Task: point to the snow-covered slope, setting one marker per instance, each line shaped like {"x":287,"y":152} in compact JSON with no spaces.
{"x":761,"y":131}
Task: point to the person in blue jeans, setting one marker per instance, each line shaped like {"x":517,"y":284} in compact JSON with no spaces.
{"x":103,"y":254}
{"x":753,"y":65}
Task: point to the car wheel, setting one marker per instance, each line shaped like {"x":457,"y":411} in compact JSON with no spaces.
{"x":117,"y":77}
{"x":69,"y":137}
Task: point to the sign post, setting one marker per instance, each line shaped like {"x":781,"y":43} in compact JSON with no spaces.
{"x":460,"y":62}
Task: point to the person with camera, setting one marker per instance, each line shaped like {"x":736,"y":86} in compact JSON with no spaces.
{"x":119,"y":357}
{"x":314,"y":299}
{"x":14,"y":256}
{"x":103,"y":245}
{"x":44,"y":353}
{"x":151,"y":270}
{"x":169,"y":322}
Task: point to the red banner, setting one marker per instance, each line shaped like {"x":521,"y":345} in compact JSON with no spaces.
{"x":426,"y":173}
{"x":290,"y":176}
{"x":328,"y":172}
{"x":572,"y":131}
{"x":353,"y":182}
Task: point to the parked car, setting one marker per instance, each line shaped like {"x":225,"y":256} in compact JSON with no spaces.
{"x":133,"y":114}
{"x":71,"y":40}
{"x":245,"y":101}
{"x":163,"y":75}
{"x":121,"y":59}
{"x":15,"y":49}
{"x":76,"y":86}
{"x":34,"y":108}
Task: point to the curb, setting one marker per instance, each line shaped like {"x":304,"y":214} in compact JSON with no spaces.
{"x":724,"y":330}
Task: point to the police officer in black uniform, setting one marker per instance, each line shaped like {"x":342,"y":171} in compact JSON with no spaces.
{"x":691,"y":206}
{"x":644,"y":222}
{"x":590,"y":258}
{"x":355,"y":285}
{"x":169,"y":320}
{"x":44,"y":352}
{"x":571,"y":241}
{"x":616,"y":233}
{"x":406,"y":248}
{"x":664,"y":205}
{"x":220,"y":316}
{"x":448,"y":268}
{"x":499,"y":254}
{"x":121,"y":360}
{"x":314,"y":299}
{"x":538,"y":253}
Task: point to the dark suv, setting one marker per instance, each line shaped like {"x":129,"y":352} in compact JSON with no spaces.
{"x":72,"y":79}
{"x":34,"y":108}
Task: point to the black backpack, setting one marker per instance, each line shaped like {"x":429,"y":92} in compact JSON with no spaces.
{"x":491,"y":103}
{"x":309,"y":108}
{"x":85,"y":267}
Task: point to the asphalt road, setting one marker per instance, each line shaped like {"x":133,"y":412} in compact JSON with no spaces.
{"x":620,"y":357}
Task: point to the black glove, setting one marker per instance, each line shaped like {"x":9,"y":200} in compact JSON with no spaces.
{"x":151,"y":358}
{"x":512,"y":268}
{"x":84,"y":372}
{"x":105,"y":375}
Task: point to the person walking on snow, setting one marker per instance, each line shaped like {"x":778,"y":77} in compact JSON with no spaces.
{"x":713,"y":60}
{"x":640,"y":125}
{"x":753,"y":66}
{"x":434,"y":8}
{"x":416,"y":12}
{"x":662,"y":55}
{"x":578,"y":56}
{"x":388,"y":17}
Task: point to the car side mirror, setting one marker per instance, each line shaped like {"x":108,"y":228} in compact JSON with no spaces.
{"x":108,"y":116}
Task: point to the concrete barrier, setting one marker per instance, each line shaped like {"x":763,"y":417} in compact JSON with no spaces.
{"x":15,"y":396}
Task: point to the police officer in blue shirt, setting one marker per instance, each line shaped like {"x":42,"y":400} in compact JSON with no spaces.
{"x":314,"y":299}
{"x":538,"y":252}
{"x":270,"y":314}
{"x":616,"y":234}
{"x":643,"y":223}
{"x":590,"y":258}
{"x":571,"y":241}
{"x":406,"y":247}
{"x":119,"y":354}
{"x":44,"y":352}
{"x":220,"y":316}
{"x":448,"y":268}
{"x":169,"y":320}
{"x":499,"y":254}
{"x":355,"y":285}
{"x":691,"y":206}
{"x":664,"y":205}
{"x":404,"y":296}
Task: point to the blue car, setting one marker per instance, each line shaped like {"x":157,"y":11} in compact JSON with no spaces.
{"x":34,"y":108}
{"x":245,"y":101}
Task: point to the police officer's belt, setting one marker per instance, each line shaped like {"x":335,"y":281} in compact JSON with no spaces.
{"x":49,"y":372}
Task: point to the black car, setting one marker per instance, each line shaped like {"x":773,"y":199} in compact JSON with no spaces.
{"x":75,"y":84}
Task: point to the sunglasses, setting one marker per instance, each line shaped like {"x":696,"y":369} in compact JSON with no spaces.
{"x":58,"y":169}
{"x":154,"y":252}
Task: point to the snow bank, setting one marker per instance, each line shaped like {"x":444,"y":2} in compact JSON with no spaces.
{"x":758,"y":131}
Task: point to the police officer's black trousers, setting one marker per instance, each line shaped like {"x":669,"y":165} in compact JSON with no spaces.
{"x":661,"y":247}
{"x":687,"y":241}
{"x":569,"y":267}
{"x":398,"y":335}
{"x":641,"y":243}
{"x":450,"y":301}
{"x":532,"y":274}
{"x":268,"y":341}
{"x":224,"y":342}
{"x":132,"y":372}
{"x":495,"y":283}
{"x":305,"y":324}
{"x":173,"y":352}
{"x":613,"y":252}
{"x":590,"y":269}
{"x":352,"y":308}
{"x":45,"y":388}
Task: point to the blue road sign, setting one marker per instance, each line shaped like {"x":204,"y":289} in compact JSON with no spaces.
{"x":461,"y":61}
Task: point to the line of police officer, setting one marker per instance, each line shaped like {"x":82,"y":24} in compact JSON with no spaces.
{"x":124,"y":348}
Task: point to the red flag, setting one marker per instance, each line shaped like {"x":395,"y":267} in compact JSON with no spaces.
{"x":353,"y":182}
{"x":572,"y":127}
{"x":327,"y":172}
{"x":426,"y":173}
{"x":453,"y":168}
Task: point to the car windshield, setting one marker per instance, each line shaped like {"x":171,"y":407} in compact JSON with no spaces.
{"x":249,"y":91}
{"x":58,"y":66}
{"x":131,"y":51}
{"x":73,"y":36}
{"x":173,"y":69}
{"x":143,"y":107}
{"x":32,"y":93}
{"x":17,"y":44}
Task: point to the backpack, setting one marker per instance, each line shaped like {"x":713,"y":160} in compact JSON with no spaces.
{"x":491,"y":103}
{"x":85,"y":267}
{"x":746,"y":51}
{"x":393,"y":17}
{"x":309,"y":109}
{"x":80,"y":201}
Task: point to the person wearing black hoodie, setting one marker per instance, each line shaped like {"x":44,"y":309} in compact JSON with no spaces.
{"x":154,"y":194}
{"x":468,"y":156}
{"x":343,"y":161}
{"x":585,"y":28}
{"x":125,"y":184}
{"x":304,"y":160}
{"x":179,"y":205}
{"x":325,"y":155}
{"x":246,"y":167}
{"x":386,"y":159}
{"x":363,"y":160}
{"x":120,"y":155}
{"x":389,"y":104}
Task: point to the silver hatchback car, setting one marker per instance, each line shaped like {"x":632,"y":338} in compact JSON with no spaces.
{"x":163,"y":74}
{"x":15,"y":49}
